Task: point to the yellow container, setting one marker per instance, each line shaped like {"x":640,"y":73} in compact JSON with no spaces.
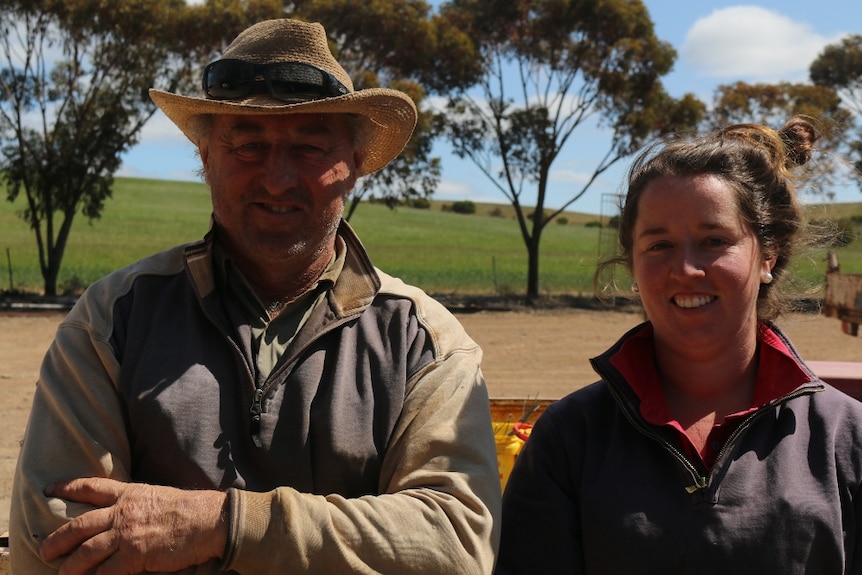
{"x":510,"y":438}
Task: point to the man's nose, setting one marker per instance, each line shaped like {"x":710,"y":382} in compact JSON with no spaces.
{"x":281,"y":171}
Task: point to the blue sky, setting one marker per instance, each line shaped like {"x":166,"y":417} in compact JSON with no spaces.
{"x":717,"y":43}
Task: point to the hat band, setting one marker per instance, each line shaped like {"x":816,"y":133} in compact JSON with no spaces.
{"x":291,"y":82}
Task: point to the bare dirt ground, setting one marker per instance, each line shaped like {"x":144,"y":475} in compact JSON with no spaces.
{"x":528,"y":354}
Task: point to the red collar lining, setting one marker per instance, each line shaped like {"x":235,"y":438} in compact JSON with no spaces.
{"x":778,"y":373}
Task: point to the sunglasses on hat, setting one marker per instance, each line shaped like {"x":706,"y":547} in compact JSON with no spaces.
{"x":293,"y":82}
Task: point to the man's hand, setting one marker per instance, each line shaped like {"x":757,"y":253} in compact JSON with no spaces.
{"x":136,"y":527}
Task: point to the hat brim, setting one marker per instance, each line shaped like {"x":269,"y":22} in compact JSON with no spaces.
{"x":386,"y":118}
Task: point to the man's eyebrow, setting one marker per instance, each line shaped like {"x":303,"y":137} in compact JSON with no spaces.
{"x":316,"y":128}
{"x":305,"y":129}
{"x":245,"y":128}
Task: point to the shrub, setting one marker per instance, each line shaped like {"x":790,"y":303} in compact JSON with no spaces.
{"x":593,"y":224}
{"x":845,"y":233}
{"x":464,"y":207}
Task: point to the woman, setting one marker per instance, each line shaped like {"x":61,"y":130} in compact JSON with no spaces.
{"x":708,"y":446}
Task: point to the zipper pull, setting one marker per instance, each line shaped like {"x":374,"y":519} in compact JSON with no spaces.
{"x":256,"y":409}
{"x":700,"y":483}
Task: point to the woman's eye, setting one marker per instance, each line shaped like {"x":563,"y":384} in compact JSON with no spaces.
{"x":658,"y":246}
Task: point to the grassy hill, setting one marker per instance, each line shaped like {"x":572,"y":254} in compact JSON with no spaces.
{"x":443,"y":252}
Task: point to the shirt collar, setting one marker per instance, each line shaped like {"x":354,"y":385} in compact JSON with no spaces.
{"x":229,"y":277}
{"x":778,"y":372}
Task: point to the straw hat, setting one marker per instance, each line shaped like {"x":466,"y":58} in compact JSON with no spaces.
{"x":385,"y":118}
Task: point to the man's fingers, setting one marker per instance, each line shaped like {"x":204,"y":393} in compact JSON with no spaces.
{"x":93,"y":553}
{"x":97,"y":491}
{"x":120,"y":563}
{"x":135,"y":528}
{"x":66,"y":538}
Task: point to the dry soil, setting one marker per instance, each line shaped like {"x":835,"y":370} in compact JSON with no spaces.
{"x":537,"y":354}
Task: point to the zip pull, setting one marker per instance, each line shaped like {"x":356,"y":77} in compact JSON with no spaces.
{"x":700,"y":483}
{"x":255,"y":410}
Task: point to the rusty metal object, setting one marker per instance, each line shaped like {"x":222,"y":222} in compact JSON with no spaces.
{"x":843,"y":297}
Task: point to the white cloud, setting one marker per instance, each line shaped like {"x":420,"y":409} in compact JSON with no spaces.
{"x":751,"y":43}
{"x":453,"y":189}
{"x":159,"y":128}
{"x":163,"y":152}
{"x":569,"y":177}
{"x":435,"y":103}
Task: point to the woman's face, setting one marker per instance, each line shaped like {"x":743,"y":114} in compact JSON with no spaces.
{"x":697,"y":264}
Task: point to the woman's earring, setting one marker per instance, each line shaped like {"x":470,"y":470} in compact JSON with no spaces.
{"x":766,"y":278}
{"x":635,"y":287}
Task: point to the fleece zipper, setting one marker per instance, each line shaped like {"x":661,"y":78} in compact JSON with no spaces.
{"x":699,"y":480}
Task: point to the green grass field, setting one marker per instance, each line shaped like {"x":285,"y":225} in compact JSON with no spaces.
{"x":443,"y":252}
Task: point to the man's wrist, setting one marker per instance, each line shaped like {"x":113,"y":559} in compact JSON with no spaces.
{"x":225,"y":524}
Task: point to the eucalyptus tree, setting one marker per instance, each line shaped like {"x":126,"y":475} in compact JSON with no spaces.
{"x":74,"y":77}
{"x":549,"y":68}
{"x":399,"y":44}
{"x":839,"y":66}
{"x":773,"y":105}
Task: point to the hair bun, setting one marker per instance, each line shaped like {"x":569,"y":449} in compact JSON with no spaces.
{"x":799,"y":136}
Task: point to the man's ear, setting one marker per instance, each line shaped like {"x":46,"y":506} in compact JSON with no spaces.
{"x":358,"y":158}
{"x":204,"y":153}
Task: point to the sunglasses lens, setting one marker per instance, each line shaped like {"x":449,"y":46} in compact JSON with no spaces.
{"x":297,"y":82}
{"x":228,"y":79}
{"x":287,"y":81}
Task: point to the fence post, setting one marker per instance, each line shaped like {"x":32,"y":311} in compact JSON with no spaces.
{"x":9,"y":261}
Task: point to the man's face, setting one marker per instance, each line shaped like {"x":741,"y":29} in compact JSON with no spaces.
{"x":278,"y":184}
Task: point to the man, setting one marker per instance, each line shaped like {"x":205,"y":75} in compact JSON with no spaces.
{"x":264,"y":401}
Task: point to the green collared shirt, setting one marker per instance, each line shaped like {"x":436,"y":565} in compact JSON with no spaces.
{"x":272,"y":336}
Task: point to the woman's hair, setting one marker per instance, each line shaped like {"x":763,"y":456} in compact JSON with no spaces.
{"x":757,"y":162}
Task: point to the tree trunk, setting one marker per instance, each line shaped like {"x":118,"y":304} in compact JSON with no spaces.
{"x":56,"y":249}
{"x":533,"y":266}
{"x":50,"y":277}
{"x":51,"y":270}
